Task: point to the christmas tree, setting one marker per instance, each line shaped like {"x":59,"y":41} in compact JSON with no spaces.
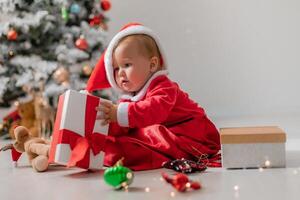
{"x":49,"y":45}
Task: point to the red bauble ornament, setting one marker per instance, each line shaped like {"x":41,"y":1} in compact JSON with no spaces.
{"x":105,"y":5}
{"x":81,"y":43}
{"x":96,"y":20}
{"x":195,"y":185}
{"x":181,"y":182}
{"x":12,"y":35}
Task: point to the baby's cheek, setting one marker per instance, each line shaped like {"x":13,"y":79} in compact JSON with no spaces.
{"x":116,"y":79}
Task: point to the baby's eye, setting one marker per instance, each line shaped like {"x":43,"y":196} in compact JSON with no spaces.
{"x":127,"y":65}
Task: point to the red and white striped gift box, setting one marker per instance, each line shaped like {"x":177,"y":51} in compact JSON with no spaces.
{"x":78,"y":139}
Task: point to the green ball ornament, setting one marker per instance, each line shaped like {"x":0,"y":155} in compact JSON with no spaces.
{"x":118,"y":176}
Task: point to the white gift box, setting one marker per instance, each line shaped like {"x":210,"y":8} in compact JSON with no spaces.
{"x":73,"y":112}
{"x":253,"y":147}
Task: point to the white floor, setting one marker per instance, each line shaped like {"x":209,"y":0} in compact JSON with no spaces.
{"x":60,"y":183}
{"x":218,"y":183}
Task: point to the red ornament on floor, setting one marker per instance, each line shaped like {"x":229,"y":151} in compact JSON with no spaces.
{"x":181,"y":182}
{"x":12,"y":35}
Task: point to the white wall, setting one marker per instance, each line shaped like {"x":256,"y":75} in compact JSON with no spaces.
{"x":234,"y":57}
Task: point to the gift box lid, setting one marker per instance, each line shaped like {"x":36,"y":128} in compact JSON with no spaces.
{"x":262,"y":134}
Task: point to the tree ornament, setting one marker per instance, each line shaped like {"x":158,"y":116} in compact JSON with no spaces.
{"x":12,"y":35}
{"x":118,"y":176}
{"x":61,"y":76}
{"x":96,"y":20}
{"x":105,"y":5}
{"x":181,"y":182}
{"x":75,"y":8}
{"x":64,"y":13}
{"x":87,"y":70}
{"x":11,"y":54}
{"x":81,"y":43}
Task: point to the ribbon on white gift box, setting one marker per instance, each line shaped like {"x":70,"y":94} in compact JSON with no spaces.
{"x":78,"y":140}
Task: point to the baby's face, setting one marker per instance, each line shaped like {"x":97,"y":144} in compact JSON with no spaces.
{"x":132,"y":69}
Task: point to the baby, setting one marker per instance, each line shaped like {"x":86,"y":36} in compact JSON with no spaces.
{"x":154,"y":121}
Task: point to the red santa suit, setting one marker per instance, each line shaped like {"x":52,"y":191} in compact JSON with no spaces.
{"x":159,"y":123}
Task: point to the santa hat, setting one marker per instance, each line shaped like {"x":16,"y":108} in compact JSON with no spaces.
{"x":103,"y":74}
{"x":15,"y":155}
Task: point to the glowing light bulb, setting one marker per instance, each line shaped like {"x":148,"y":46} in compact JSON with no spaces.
{"x":188,"y":185}
{"x":16,"y":103}
{"x":236,"y":187}
{"x":125,"y":186}
{"x":267,"y":163}
{"x":129,"y":175}
{"x":147,"y":189}
{"x":172,"y":194}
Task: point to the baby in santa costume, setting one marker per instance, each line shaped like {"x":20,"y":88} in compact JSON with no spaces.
{"x":154,"y":121}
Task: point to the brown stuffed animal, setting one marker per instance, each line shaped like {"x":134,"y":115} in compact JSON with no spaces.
{"x":27,"y":118}
{"x":44,"y":115}
{"x":37,"y":149}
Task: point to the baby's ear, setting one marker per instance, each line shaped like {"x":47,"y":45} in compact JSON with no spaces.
{"x":154,"y":64}
{"x":21,"y":134}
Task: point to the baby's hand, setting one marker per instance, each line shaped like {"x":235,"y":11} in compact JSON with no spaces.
{"x":107,"y":112}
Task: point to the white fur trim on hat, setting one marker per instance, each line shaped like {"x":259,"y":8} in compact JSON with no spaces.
{"x":131,"y":30}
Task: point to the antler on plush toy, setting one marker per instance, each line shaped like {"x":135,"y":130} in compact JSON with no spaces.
{"x":37,"y":149}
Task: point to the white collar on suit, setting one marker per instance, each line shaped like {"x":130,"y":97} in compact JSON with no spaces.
{"x":143,"y":91}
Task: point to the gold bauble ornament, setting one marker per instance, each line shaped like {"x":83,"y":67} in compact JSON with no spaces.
{"x":61,"y":75}
{"x":11,"y":53}
{"x":87,"y":70}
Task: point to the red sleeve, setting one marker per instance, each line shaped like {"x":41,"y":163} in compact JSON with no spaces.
{"x":154,"y":109}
